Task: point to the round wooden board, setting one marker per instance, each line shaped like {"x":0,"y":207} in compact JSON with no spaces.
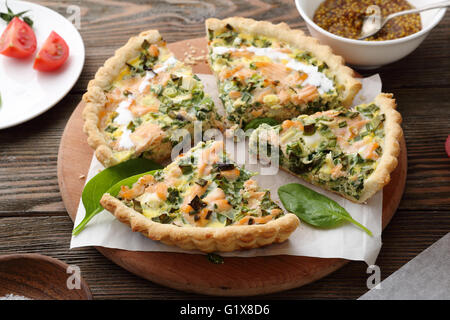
{"x":193,"y":272}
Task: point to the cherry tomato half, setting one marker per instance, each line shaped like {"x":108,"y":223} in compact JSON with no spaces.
{"x":53,"y":53}
{"x":18,"y":40}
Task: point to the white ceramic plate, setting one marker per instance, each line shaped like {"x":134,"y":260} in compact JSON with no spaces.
{"x":25,"y":92}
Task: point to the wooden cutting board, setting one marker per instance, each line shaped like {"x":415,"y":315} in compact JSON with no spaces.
{"x":193,"y":272}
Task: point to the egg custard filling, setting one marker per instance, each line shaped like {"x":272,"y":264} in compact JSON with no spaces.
{"x":340,"y":150}
{"x":202,"y":190}
{"x":150,"y":98}
{"x":271,"y":71}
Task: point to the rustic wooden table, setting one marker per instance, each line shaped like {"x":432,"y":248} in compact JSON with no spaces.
{"x":32,"y":214}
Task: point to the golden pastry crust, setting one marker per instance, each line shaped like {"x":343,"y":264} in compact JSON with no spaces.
{"x":389,"y":159}
{"x":205,"y":239}
{"x":95,"y":98}
{"x":297,"y":39}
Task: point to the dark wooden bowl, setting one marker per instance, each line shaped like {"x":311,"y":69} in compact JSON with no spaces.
{"x":39,"y":277}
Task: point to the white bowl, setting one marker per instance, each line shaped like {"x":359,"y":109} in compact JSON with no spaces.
{"x":370,"y":54}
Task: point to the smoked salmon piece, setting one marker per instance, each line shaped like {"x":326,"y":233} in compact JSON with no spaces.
{"x":146,"y":135}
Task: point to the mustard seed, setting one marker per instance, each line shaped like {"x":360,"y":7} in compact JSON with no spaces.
{"x":345,"y":17}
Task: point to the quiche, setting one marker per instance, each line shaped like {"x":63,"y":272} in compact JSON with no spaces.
{"x":203,"y":201}
{"x":143,"y":101}
{"x":347,"y":151}
{"x":271,"y":71}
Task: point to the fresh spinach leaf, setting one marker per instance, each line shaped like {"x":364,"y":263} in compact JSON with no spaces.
{"x":255,"y":123}
{"x":314,"y":208}
{"x":103,"y":181}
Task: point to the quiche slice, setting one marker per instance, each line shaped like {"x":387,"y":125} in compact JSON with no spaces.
{"x":142,"y":101}
{"x":347,"y":151}
{"x":202,"y":201}
{"x":271,"y":71}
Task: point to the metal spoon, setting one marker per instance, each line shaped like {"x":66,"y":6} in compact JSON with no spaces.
{"x":374,"y":22}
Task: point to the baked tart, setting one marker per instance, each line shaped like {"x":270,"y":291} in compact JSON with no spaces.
{"x":271,"y":71}
{"x":203,"y":201}
{"x":142,"y":101}
{"x":347,"y":151}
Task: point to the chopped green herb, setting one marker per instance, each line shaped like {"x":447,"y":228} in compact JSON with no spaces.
{"x":225,"y":166}
{"x":265,"y":43}
{"x":110,"y":129}
{"x":185,"y":168}
{"x":215,"y":258}
{"x":131,"y":126}
{"x":197,"y":203}
{"x":145,"y":45}
{"x":201,"y":182}
{"x":309,"y":129}
{"x":246,"y":97}
{"x":173,"y":195}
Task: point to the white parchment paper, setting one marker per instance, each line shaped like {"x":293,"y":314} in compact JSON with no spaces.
{"x":426,"y":277}
{"x":347,"y":241}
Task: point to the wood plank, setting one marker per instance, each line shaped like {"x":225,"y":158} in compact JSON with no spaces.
{"x":108,"y":281}
{"x":420,"y":83}
{"x":426,"y":126}
{"x":28,"y":156}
